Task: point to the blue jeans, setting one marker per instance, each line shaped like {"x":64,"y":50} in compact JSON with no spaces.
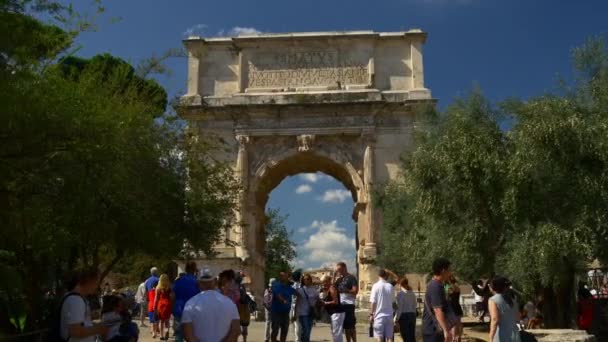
{"x":177,"y":329}
{"x":306,"y":324}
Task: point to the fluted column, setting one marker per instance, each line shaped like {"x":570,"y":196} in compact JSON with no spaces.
{"x":242,"y":173}
{"x":368,"y":180}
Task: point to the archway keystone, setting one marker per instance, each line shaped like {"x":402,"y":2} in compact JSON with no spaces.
{"x":340,"y":103}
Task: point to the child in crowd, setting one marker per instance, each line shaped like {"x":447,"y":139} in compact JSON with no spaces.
{"x":117,"y":318}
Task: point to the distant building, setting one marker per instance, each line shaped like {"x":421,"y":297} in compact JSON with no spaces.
{"x":318,"y":273}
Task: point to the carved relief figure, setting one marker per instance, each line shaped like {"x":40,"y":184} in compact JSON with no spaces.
{"x":305,"y":142}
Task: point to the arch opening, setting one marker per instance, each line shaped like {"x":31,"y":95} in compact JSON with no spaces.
{"x":270,"y":176}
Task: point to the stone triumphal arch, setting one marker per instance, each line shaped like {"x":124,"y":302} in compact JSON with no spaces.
{"x":342,"y":103}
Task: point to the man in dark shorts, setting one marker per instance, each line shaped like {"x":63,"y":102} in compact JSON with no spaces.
{"x":435,"y":325}
{"x":348,"y":288}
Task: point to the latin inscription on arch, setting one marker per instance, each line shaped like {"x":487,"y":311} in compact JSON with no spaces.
{"x":305,"y":68}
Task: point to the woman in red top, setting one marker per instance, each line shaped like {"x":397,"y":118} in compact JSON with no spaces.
{"x":163,"y":306}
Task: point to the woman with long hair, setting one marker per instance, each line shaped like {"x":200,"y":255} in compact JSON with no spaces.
{"x":405,"y":315}
{"x":306,"y":304}
{"x":503,"y":312}
{"x":331,"y":302}
{"x":454,"y":301}
{"x":162,"y":305}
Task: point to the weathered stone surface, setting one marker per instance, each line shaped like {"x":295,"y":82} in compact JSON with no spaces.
{"x":562,"y":335}
{"x":339,"y":103}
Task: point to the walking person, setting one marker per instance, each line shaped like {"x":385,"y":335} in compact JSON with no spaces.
{"x":503,"y":312}
{"x":244,"y":306}
{"x":331,"y":303}
{"x":306,"y":304}
{"x":454,"y":301}
{"x":437,"y":318}
{"x":210,"y":316}
{"x":267,"y":308}
{"x":228,"y":287}
{"x":75,"y":322}
{"x":348,"y":288}
{"x":152,"y":317}
{"x":162,"y":305}
{"x":296,"y":276}
{"x":478,"y":294}
{"x":282,"y":294}
{"x":184,"y":288}
{"x":142,"y":302}
{"x":405,"y":315}
{"x":381,"y":311}
{"x":151,"y":284}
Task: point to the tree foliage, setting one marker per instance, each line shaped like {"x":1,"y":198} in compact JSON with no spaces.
{"x":529,"y":202}
{"x":92,"y":169}
{"x":280,"y":250}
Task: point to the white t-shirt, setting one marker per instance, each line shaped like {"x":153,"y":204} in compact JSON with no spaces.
{"x":211,"y":314}
{"x":383,"y":294}
{"x":303,"y":304}
{"x":140,"y":295}
{"x":75,"y":310}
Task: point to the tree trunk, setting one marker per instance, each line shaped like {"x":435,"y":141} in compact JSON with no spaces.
{"x":119,"y":254}
{"x":559,"y":306}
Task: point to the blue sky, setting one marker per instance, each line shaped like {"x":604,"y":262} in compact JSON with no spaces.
{"x":507,"y":47}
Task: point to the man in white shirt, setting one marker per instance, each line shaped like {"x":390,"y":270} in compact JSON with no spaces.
{"x":210,"y":316}
{"x":142,"y":301}
{"x":75,"y":321}
{"x":381,"y":314}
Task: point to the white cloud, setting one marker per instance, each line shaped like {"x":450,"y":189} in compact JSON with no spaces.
{"x":312,"y":177}
{"x":335,"y":196}
{"x":196,"y":30}
{"x":239,"y":31}
{"x":327,"y":246}
{"x":304,"y":188}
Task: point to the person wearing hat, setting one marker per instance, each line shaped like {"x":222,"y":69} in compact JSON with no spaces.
{"x":210,"y":316}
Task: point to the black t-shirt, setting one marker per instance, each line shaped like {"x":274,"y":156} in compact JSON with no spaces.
{"x":434,"y":297}
{"x":344,"y":285}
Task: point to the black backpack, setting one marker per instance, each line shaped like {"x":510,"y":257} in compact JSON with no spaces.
{"x":55,"y":321}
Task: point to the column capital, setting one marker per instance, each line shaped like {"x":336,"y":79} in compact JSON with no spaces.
{"x":243,"y":140}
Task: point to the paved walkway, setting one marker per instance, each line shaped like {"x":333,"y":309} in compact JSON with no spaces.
{"x":320,"y":333}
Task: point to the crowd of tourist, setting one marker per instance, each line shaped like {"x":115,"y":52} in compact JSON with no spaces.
{"x":203,"y":306}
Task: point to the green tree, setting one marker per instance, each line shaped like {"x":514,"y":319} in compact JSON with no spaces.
{"x":280,"y":250}
{"x":559,"y":185}
{"x":450,"y":201}
{"x":528,"y":203}
{"x":92,"y":169}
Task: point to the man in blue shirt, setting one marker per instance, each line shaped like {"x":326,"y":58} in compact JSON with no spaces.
{"x":152,"y":279}
{"x":281,"y":305}
{"x":184,"y":288}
